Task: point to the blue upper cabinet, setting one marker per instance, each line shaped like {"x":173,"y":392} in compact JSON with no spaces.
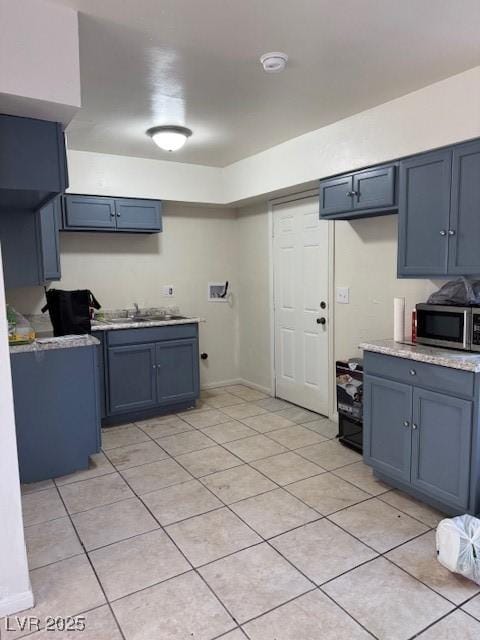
{"x":138,"y":215}
{"x":98,"y":213}
{"x":464,"y":228}
{"x":33,"y":165}
{"x":48,"y":226}
{"x":424,"y":211}
{"x":336,"y":196}
{"x":30,"y":245}
{"x":439,"y":221}
{"x":83,"y":213}
{"x":358,"y":195}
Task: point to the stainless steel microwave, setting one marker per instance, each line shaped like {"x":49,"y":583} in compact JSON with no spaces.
{"x":448,"y":326}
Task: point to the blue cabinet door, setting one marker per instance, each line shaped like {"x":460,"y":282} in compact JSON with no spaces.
{"x":387,"y":426}
{"x":374,"y":189}
{"x":131,"y":378}
{"x":48,"y":217}
{"x":424,"y":211}
{"x":89,"y":213}
{"x":464,"y":229}
{"x":138,"y":215}
{"x":32,"y":158}
{"x":177,"y":370}
{"x":441,"y":446}
{"x":336,"y":195}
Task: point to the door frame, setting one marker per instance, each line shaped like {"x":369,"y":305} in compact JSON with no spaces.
{"x":294,"y":197}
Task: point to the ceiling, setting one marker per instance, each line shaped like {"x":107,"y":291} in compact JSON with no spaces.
{"x":195,"y":63}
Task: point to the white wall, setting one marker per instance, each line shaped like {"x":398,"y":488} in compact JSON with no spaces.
{"x":106,"y":174}
{"x":15,"y":590}
{"x":198,"y":245}
{"x":39,"y":60}
{"x":365,"y":261}
{"x":254,"y":295}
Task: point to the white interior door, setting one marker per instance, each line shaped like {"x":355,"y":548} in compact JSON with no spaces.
{"x":300,"y":250}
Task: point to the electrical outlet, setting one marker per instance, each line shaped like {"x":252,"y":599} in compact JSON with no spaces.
{"x":168,"y":291}
{"x":342,"y":295}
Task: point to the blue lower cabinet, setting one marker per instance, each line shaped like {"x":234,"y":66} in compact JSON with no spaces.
{"x":150,"y":371}
{"x":441,"y":446}
{"x":420,"y":440}
{"x":387,"y":443}
{"x":177,"y":371}
{"x":57,"y":418}
{"x":131,"y":378}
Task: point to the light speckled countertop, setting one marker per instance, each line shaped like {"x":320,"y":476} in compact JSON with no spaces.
{"x":98,"y":325}
{"x":465,"y":360}
{"x":62,"y":342}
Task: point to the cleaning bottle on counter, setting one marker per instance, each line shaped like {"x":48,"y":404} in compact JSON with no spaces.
{"x":19,"y":329}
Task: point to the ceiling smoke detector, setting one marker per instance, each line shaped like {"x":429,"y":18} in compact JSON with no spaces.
{"x":274,"y":62}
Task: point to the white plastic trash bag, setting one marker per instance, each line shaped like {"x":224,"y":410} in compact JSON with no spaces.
{"x":458,"y":545}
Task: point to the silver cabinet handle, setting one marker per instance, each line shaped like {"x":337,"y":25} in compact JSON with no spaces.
{"x":451,"y":232}
{"x":414,"y":426}
{"x":406,"y":423}
{"x":443,"y":232}
{"x":413,"y":372}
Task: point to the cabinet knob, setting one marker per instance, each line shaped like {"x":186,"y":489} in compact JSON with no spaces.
{"x":406,"y":423}
{"x":443,"y":232}
{"x":154,"y":366}
{"x":413,"y":372}
{"x":112,"y":214}
{"x":414,"y":426}
{"x":350,"y":193}
{"x":321,"y":320}
{"x":451,"y":232}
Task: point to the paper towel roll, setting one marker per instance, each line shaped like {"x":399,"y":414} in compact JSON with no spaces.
{"x":399,"y":319}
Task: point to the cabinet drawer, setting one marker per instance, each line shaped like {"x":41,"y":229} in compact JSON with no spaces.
{"x":151,"y":334}
{"x":421,"y":374}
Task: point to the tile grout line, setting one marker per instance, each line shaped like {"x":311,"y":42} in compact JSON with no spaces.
{"x":261,"y":537}
{"x":184,"y":556}
{"x":93,"y":569}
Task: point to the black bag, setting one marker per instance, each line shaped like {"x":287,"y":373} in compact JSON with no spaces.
{"x":70,"y":310}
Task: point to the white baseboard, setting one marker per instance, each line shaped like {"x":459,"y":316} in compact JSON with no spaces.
{"x":14,"y":604}
{"x":256,"y":386}
{"x":228,"y":383}
{"x":220,"y":383}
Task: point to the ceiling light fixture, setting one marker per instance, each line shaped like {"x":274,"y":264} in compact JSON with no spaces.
{"x":274,"y":62}
{"x":169,"y":137}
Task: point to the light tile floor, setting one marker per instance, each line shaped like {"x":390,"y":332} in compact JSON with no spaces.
{"x":241,"y":519}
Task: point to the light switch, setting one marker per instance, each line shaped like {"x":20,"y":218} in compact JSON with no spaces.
{"x":342,"y":295}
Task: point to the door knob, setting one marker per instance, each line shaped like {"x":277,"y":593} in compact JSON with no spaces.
{"x":323,"y":305}
{"x":321,"y":320}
